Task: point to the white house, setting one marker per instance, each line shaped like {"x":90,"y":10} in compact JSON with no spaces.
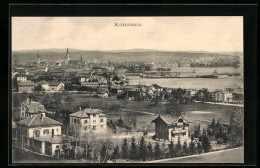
{"x":40,"y":134}
{"x":89,"y":120}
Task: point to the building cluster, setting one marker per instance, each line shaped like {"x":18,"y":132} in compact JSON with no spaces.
{"x":41,"y":134}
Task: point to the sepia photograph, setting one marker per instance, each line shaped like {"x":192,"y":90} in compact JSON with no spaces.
{"x":161,"y":89}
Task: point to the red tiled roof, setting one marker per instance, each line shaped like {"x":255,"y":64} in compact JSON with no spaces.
{"x":36,"y":121}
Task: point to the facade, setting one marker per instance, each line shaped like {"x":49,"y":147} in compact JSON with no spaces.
{"x":172,"y":129}
{"x":56,"y":86}
{"x":39,"y":134}
{"x":25,"y":86}
{"x":21,"y":78}
{"x":89,"y":120}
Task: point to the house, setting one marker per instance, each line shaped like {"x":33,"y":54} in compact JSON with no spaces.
{"x":25,"y":86}
{"x":39,"y":134}
{"x":22,"y":78}
{"x":91,"y":84}
{"x":44,"y":84}
{"x":89,"y":120}
{"x":172,"y":129}
{"x":30,"y":108}
{"x":102,"y":92}
{"x":56,"y":86}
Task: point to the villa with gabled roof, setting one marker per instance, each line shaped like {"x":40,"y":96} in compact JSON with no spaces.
{"x":172,"y":129}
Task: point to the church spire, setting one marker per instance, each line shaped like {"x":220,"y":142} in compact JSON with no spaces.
{"x":67,"y":54}
{"x":38,"y":58}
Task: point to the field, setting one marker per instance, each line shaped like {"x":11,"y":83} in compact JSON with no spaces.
{"x":196,"y":113}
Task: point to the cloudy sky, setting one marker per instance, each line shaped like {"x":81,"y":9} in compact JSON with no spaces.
{"x":217,"y":34}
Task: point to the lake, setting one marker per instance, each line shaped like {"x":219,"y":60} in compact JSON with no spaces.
{"x":195,"y":83}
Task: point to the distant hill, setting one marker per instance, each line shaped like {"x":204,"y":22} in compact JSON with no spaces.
{"x":134,"y":55}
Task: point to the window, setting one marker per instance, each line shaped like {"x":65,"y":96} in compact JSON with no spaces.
{"x":57,"y":130}
{"x":94,"y":115}
{"x":78,"y":121}
{"x":57,"y":146}
{"x":46,"y":131}
{"x":72,"y":120}
{"x":94,"y":127}
{"x":85,"y":121}
{"x":101,"y":120}
{"x":94,"y":121}
{"x":75,"y":120}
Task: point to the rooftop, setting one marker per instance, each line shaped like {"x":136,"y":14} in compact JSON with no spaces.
{"x":36,"y":121}
{"x":87,"y":112}
{"x":25,"y":83}
{"x":169,"y":121}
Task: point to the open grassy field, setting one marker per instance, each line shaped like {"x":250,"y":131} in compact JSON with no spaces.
{"x":197,"y":113}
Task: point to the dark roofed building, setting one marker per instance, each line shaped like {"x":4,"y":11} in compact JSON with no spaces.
{"x":172,"y":128}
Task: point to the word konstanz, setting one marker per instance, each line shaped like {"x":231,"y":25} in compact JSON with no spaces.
{"x":127,"y":24}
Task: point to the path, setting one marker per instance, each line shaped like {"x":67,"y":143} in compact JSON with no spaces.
{"x":225,"y":104}
{"x":144,"y":112}
{"x":235,"y":155}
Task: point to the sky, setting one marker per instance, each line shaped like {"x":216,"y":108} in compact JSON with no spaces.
{"x":213,"y":34}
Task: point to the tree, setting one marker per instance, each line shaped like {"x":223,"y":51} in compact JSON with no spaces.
{"x":192,"y":148}
{"x":115,"y":154}
{"x":32,"y":97}
{"x":38,"y":88}
{"x":150,"y":150}
{"x":120,"y":122}
{"x":206,"y":143}
{"x":171,"y":149}
{"x":133,"y":149}
{"x":199,"y":148}
{"x":16,"y":101}
{"x":177,"y":148}
{"x":197,"y":131}
{"x":124,"y":153}
{"x":157,"y":151}
{"x":103,"y":153}
{"x":185,"y":149}
{"x":69,"y":99}
{"x":142,"y":149}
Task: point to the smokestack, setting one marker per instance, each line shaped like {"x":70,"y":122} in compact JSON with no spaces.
{"x":79,"y":108}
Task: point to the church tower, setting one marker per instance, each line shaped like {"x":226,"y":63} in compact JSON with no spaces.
{"x":38,"y":58}
{"x":67,"y":54}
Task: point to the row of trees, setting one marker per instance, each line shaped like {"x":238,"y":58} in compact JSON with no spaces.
{"x":141,"y":150}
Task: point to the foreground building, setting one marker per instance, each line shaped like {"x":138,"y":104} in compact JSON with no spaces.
{"x":89,"y":120}
{"x":39,"y":134}
{"x":172,"y":129}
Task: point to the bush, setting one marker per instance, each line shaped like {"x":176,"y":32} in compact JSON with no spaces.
{"x":220,"y":141}
{"x":154,"y":137}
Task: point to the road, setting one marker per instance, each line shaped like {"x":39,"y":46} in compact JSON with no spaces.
{"x":235,"y":155}
{"x":225,"y":104}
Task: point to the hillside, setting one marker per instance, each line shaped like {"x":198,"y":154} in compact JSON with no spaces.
{"x":140,"y":55}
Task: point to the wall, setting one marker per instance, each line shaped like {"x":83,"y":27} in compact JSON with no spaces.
{"x":43,"y":128}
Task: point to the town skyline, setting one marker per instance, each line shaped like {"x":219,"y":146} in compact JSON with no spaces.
{"x":215,"y":34}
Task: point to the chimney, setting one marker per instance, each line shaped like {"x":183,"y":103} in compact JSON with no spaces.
{"x":42,"y":117}
{"x":79,"y":108}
